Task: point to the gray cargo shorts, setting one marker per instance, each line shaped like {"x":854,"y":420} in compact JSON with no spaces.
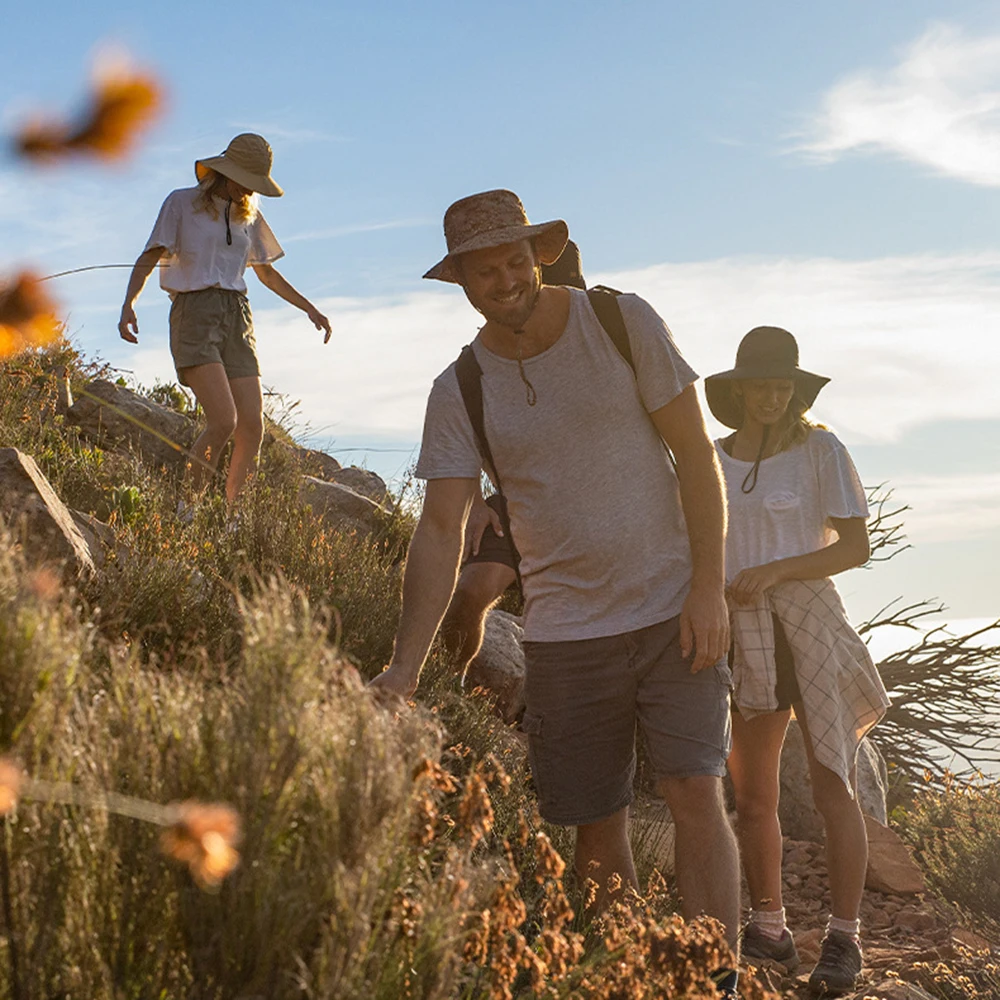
{"x":213,"y":326}
{"x":584,"y":699}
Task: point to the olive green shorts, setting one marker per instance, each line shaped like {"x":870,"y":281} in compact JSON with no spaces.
{"x":213,"y":326}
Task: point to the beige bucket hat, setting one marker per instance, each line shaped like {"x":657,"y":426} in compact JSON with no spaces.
{"x":492,"y":219}
{"x":247,"y":160}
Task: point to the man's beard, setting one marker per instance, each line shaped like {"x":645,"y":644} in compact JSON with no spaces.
{"x":512,"y":318}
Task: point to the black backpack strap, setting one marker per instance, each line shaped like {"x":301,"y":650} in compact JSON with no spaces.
{"x":470,"y":384}
{"x":604,"y":302}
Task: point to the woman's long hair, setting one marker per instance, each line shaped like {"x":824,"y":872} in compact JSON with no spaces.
{"x":793,"y":428}
{"x":213,"y":185}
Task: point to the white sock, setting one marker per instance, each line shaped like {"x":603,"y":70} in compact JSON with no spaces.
{"x":771,"y":923}
{"x":852,"y":928}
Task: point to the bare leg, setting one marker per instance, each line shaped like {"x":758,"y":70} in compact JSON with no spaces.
{"x":705,"y":854}
{"x":249,"y":432}
{"x":846,"y":836}
{"x":211,"y":388}
{"x":754,"y":766}
{"x":602,"y":851}
{"x":479,"y":587}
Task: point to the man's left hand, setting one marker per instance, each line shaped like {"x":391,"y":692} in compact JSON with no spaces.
{"x":705,"y":626}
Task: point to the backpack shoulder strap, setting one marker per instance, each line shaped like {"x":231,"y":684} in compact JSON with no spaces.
{"x":470,"y":375}
{"x":604,"y":302}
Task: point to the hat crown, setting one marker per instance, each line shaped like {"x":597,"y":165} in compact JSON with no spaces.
{"x":768,"y":346}
{"x":250,"y":151}
{"x":482,"y":213}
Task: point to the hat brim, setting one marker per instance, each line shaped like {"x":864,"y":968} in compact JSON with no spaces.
{"x":718,"y":391}
{"x":550,"y":241}
{"x":253,"y":182}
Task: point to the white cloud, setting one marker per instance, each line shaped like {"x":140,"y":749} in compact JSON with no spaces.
{"x":939,"y":106}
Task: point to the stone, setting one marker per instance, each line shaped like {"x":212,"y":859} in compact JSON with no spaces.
{"x":34,"y":512}
{"x":970,"y":939}
{"x":338,"y":505}
{"x":799,"y":818}
{"x":362,"y":481}
{"x":498,"y":667}
{"x":896,"y":989}
{"x":115,"y":417}
{"x":100,"y":537}
{"x":891,"y":869}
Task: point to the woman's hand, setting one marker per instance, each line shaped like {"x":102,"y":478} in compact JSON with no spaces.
{"x":128,"y":325}
{"x":481,"y":517}
{"x":319,"y":321}
{"x":749,"y":585}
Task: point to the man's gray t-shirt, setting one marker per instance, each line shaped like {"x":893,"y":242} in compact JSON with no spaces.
{"x":593,"y":499}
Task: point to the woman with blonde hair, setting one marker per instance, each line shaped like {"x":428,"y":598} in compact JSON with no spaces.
{"x":208,"y":234}
{"x":797,"y":515}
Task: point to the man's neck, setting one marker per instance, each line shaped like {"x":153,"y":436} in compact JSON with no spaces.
{"x":544,"y":327}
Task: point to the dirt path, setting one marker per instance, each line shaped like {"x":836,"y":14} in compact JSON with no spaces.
{"x":899,"y":933}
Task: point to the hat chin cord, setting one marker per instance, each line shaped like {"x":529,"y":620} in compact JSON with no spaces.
{"x":529,"y":389}
{"x":755,"y":471}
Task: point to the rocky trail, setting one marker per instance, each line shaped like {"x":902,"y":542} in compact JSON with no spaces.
{"x":905,"y":936}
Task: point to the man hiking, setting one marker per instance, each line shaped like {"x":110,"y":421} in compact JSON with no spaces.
{"x":621,"y":557}
{"x":489,"y":563}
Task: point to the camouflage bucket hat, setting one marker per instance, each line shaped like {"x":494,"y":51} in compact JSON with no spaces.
{"x":247,"y":160}
{"x":493,"y":219}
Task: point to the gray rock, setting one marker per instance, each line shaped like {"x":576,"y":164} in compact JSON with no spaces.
{"x":100,"y":537}
{"x":34,"y":512}
{"x":799,"y":818}
{"x":116,"y":417}
{"x":339,"y":506}
{"x":362,"y":481}
{"x":498,"y":667}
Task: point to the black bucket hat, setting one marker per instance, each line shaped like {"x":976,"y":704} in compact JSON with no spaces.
{"x":765,"y":352}
{"x":567,"y":270}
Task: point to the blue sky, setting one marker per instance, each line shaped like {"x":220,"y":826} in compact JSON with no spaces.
{"x":833,"y":168}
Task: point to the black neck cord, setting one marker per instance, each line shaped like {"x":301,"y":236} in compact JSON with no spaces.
{"x":755,"y":471}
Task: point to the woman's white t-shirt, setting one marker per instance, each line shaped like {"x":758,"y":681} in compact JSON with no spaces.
{"x":197,"y":254}
{"x":788,"y":512}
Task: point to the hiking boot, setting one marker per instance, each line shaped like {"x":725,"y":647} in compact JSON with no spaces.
{"x":757,"y":944}
{"x":838,"y":967}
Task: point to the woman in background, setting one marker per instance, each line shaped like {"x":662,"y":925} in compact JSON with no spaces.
{"x":797,"y":515}
{"x":208,"y":234}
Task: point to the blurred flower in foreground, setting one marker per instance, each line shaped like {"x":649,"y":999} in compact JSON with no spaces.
{"x":28,"y":316}
{"x":123,"y":101}
{"x":203,"y":836}
{"x":11,"y":777}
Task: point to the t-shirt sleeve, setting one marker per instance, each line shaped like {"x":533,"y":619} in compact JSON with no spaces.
{"x":167,"y":229}
{"x":840,"y":489}
{"x":448,"y":449}
{"x":264,"y":245}
{"x":661,"y":372}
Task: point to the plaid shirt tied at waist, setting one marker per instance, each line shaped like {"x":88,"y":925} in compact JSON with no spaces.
{"x":841,"y":688}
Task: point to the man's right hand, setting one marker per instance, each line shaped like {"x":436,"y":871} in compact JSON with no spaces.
{"x":394,"y":680}
{"x":128,"y":325}
{"x":481,"y":517}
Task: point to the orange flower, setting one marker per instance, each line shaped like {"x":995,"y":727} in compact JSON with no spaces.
{"x":28,"y":317}
{"x":203,"y":837}
{"x":123,"y":102}
{"x":11,"y":778}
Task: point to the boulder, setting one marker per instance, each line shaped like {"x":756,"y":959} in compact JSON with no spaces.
{"x":891,"y":869}
{"x":799,"y":818}
{"x":115,"y":417}
{"x":100,"y":537}
{"x":339,"y":506}
{"x":498,"y":667}
{"x":47,"y":528}
{"x":362,"y":481}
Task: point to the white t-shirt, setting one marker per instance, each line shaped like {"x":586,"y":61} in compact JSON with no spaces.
{"x":593,"y":500}
{"x":788,"y":511}
{"x":197,"y":253}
